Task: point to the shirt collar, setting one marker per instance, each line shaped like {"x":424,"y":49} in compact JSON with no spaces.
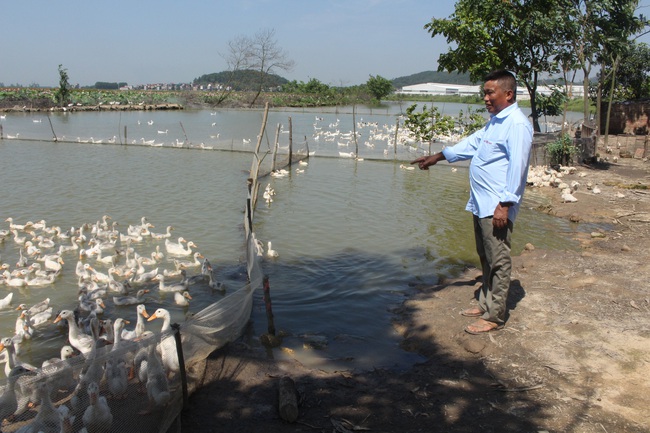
{"x":506,"y":111}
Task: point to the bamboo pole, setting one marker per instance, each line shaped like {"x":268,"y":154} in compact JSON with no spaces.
{"x":354,"y":130}
{"x":186,"y":139}
{"x":181,"y":361}
{"x":290,"y":141}
{"x":269,"y":339}
{"x":52,"y":128}
{"x":307,"y":146}
{"x":395,"y":142}
{"x":275,"y":146}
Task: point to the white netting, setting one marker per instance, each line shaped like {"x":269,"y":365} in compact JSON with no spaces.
{"x":129,"y":386}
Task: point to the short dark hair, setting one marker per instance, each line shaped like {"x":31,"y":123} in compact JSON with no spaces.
{"x":505,"y":79}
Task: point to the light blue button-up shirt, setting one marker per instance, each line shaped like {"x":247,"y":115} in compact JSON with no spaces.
{"x":500,"y":155}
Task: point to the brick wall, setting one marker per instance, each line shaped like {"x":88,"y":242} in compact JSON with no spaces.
{"x":627,"y":118}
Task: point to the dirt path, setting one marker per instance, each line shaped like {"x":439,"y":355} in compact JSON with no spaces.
{"x":573,"y":357}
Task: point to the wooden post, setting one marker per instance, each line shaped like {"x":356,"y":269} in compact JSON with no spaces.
{"x":187,"y":142}
{"x":275,"y":146}
{"x":354,"y":130}
{"x":290,"y":141}
{"x":307,"y":146}
{"x":269,"y":307}
{"x":125,"y":138}
{"x":269,"y":339}
{"x":1,"y":133}
{"x":288,"y":399}
{"x":52,"y":128}
{"x":181,"y":361}
{"x":395,"y":143}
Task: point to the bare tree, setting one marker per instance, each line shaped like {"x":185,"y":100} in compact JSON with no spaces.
{"x":260,"y":55}
{"x":237,"y":58}
{"x":266,"y":57}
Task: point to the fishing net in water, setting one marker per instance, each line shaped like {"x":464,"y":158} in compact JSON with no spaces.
{"x":135,"y":385}
{"x":130,"y":385}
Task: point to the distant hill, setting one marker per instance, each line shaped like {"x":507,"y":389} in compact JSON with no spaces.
{"x":240,"y":80}
{"x":432,"y":77}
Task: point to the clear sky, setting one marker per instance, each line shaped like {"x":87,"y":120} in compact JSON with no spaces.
{"x":339,"y":42}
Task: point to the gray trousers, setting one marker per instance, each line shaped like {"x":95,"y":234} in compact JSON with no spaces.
{"x":493,"y":248}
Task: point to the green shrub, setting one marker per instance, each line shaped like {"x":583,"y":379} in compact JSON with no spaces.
{"x":561,"y":151}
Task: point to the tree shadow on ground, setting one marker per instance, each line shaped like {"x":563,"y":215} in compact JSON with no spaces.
{"x":448,"y":392}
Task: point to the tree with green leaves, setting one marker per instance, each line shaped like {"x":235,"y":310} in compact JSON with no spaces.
{"x":485,"y":35}
{"x":427,"y":123}
{"x":379,"y":87}
{"x":62,"y":94}
{"x":595,"y":33}
{"x":553,"y":104}
{"x":633,"y":74}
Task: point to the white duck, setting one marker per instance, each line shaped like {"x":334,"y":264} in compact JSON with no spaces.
{"x":185,"y":264}
{"x":142,"y":275}
{"x":97,"y":417}
{"x":84,"y":343}
{"x":177,"y":249}
{"x":182,"y":299}
{"x":270,"y":252}
{"x":42,"y":281}
{"x":39,"y":307}
{"x":20,"y":281}
{"x":68,"y":248}
{"x":178,"y":287}
{"x":6,"y":301}
{"x":23,"y":329}
{"x":83,"y":270}
{"x":54,"y":264}
{"x":60,"y":370}
{"x":157,"y":255}
{"x":139,"y":324}
{"x":167,"y":342}
{"x":160,"y":236}
{"x":13,"y":226}
{"x":147,"y":261}
{"x":11,"y":360}
{"x":39,"y":319}
{"x":18,"y":240}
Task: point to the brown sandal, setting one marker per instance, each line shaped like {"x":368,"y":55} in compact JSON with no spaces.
{"x":472,"y":312}
{"x":482,"y":326}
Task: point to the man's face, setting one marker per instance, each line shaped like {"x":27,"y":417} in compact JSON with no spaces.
{"x":495,"y":98}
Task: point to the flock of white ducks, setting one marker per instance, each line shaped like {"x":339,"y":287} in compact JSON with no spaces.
{"x":107,"y":348}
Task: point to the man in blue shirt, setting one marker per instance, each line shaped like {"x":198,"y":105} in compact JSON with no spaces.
{"x":498,"y":169}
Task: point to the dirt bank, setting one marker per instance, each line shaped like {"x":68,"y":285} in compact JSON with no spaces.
{"x":573,"y":357}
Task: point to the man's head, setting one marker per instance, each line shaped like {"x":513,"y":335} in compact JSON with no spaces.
{"x":499,"y":90}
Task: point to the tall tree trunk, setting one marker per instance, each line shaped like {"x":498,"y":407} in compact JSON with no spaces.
{"x":611,"y":98}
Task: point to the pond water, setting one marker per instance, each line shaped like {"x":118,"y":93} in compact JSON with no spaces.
{"x":354,"y":237}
